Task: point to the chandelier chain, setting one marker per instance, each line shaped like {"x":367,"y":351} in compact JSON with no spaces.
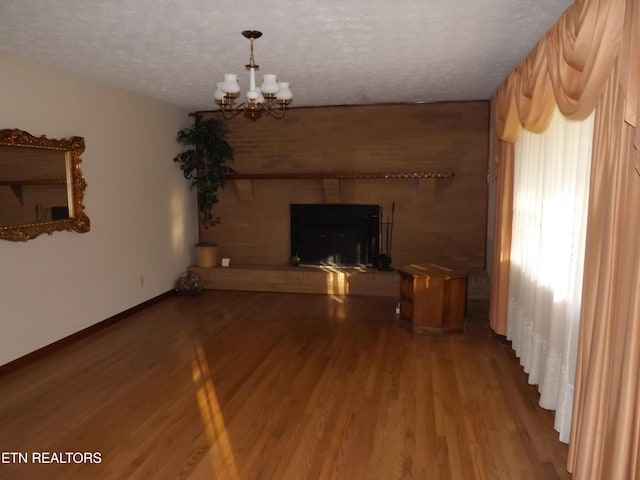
{"x":252,"y":62}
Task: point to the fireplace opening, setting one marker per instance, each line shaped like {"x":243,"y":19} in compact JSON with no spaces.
{"x":342,"y":235}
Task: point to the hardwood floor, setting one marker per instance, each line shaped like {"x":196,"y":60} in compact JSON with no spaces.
{"x":241,"y":385}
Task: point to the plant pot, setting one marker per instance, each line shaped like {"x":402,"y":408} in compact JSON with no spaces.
{"x":206,"y":255}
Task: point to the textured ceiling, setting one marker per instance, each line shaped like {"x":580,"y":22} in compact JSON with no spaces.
{"x":333,"y":52}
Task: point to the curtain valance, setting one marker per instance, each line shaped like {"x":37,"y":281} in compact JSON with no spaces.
{"x":568,"y":67}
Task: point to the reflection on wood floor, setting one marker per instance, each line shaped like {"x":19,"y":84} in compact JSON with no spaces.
{"x":242,"y":385}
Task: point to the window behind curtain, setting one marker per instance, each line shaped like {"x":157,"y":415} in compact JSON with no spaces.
{"x":551,"y":191}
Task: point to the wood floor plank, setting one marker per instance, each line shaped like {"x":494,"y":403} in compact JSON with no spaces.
{"x":250,"y":385}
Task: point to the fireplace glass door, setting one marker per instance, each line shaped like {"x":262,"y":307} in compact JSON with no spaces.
{"x":342,"y":235}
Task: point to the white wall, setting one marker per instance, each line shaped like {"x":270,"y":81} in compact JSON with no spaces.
{"x":143,"y":217}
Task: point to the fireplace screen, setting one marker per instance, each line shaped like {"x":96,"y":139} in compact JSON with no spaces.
{"x":342,"y":235}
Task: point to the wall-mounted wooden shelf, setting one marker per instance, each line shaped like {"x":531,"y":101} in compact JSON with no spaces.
{"x":338,"y":175}
{"x":331,"y":180}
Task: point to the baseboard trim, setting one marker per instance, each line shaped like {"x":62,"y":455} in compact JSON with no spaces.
{"x":20,"y":362}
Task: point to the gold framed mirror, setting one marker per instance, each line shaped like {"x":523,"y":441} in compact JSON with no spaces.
{"x":41,"y":185}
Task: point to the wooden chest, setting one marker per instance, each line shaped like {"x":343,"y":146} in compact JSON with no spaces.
{"x":433,"y":299}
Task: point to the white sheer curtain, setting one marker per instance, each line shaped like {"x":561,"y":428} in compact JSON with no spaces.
{"x":551,"y":190}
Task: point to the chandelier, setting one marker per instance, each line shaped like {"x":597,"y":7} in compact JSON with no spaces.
{"x":271,"y":98}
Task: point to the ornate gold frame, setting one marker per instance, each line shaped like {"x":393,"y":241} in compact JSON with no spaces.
{"x":73,"y":148}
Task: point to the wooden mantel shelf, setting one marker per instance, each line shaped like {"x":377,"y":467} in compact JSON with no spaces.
{"x":337,"y":175}
{"x":331,"y":181}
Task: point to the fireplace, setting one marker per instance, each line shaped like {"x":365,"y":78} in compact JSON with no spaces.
{"x":343,"y":235}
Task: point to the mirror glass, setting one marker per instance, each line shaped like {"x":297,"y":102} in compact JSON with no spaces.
{"x":41,"y":185}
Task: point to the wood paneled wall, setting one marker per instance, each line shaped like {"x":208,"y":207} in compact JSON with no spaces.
{"x":436,"y":220}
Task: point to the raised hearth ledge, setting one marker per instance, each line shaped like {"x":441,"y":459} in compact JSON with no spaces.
{"x":293,"y":279}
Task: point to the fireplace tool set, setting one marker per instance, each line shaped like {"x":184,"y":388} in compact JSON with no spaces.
{"x":386,"y":233}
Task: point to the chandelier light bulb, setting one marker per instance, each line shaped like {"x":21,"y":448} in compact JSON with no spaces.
{"x":230,"y":84}
{"x":218,"y":95}
{"x":269,"y":84}
{"x":284,"y":92}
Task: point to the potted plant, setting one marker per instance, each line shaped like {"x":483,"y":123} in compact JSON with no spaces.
{"x":204,"y":163}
